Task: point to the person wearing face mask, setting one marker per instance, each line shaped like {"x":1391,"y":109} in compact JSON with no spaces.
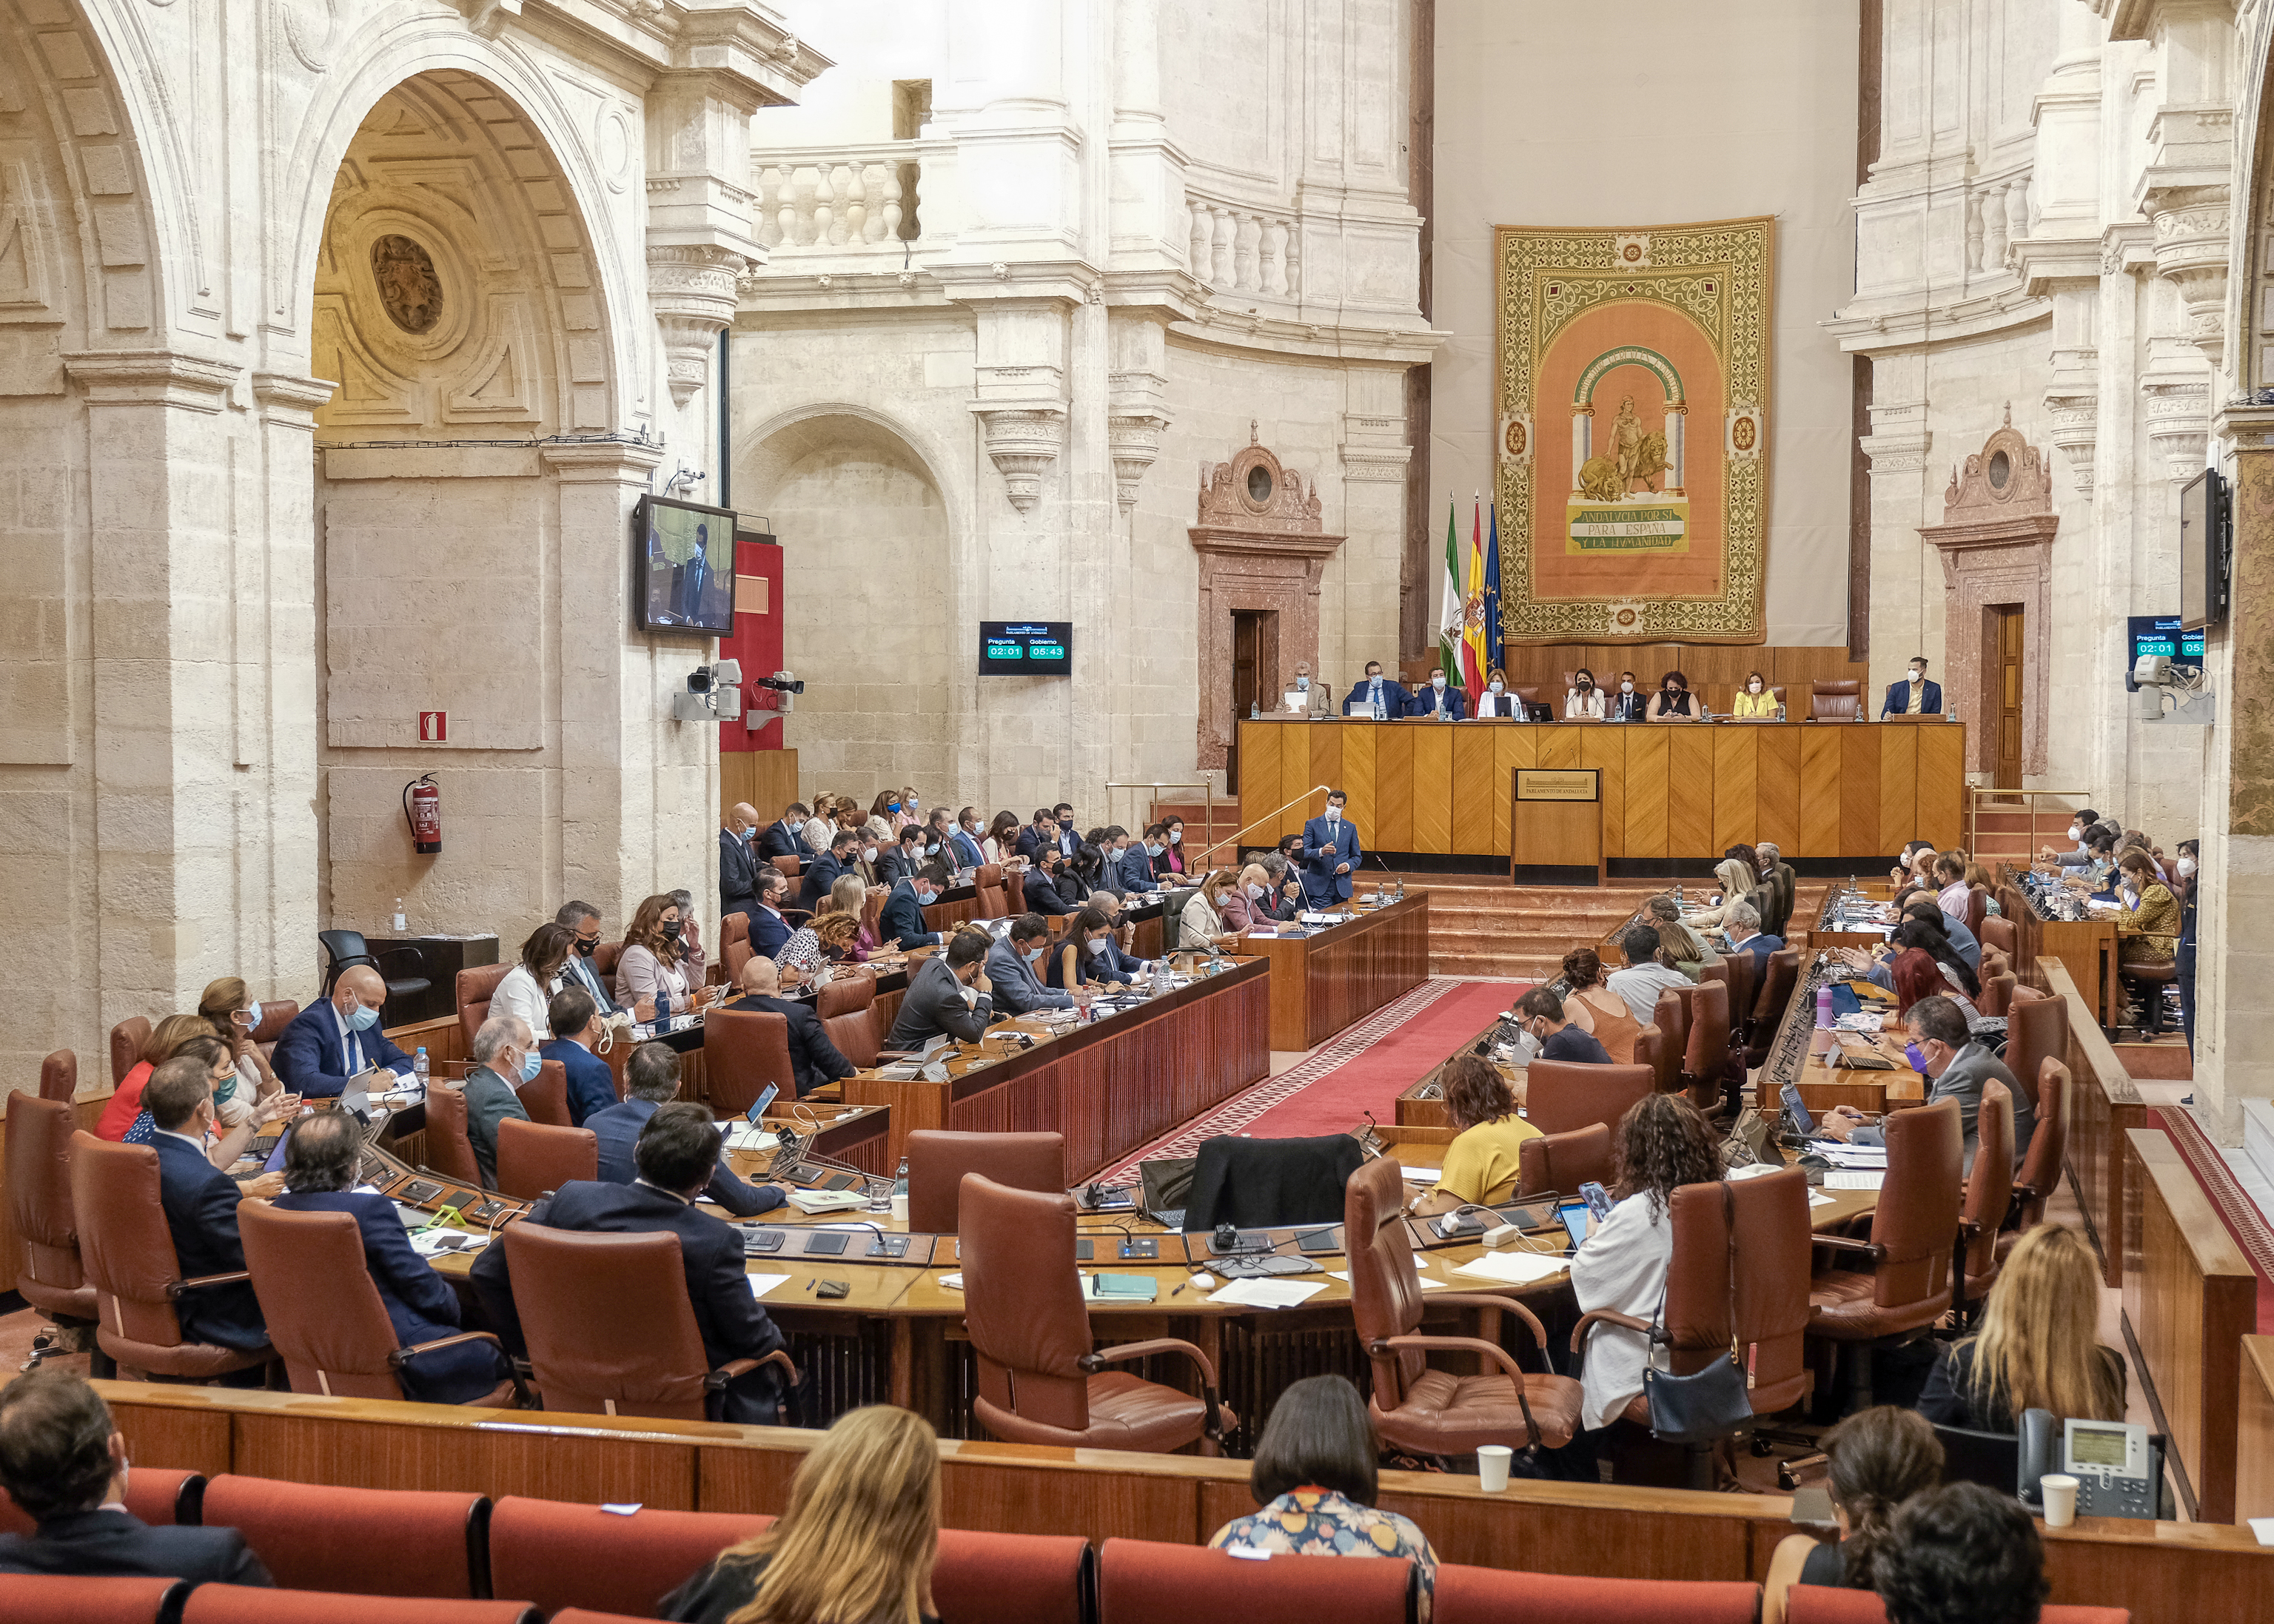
{"x":1038,"y":837}
{"x":228,"y":1008}
{"x":1958,"y":1067}
{"x":1540,"y":1015}
{"x":1914,"y":696}
{"x":738,"y":864}
{"x":1673,"y":703}
{"x":1283,"y":897}
{"x":1438,"y":701}
{"x":2080,"y":854}
{"x":951,"y":993}
{"x":901,"y":859}
{"x":331,"y":1042}
{"x":1069,"y":842}
{"x":1090,"y":953}
{"x":850,"y":897}
{"x":1201,"y":925}
{"x":505,"y":1061}
{"x":2190,"y":882}
{"x":1130,"y":867}
{"x":1330,"y":854}
{"x":787,"y":838}
{"x":528,"y":988}
{"x":869,"y":862}
{"x":814,"y":1060}
{"x":1496,"y":702}
{"x":963,"y":841}
{"x":653,"y":969}
{"x":938,"y":829}
{"x":200,"y":1201}
{"x":901,"y":924}
{"x":1052,"y":887}
{"x":769,"y":929}
{"x":886,"y":809}
{"x":1628,"y":704}
{"x":1171,"y":859}
{"x":576,"y":1028}
{"x":1001,"y":845}
{"x":1755,"y":702}
{"x":1014,"y":968}
{"x":581,"y":921}
{"x":1583,"y":700}
{"x":1383,"y":698}
{"x":824,"y":872}
{"x":1246,"y":899}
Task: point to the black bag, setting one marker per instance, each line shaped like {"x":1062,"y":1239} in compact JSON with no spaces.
{"x":1707,"y":1404}
{"x":1163,"y":1187}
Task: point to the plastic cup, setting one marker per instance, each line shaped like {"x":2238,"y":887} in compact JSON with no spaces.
{"x":2059,"y":1489}
{"x":1493,"y":1463}
{"x":900,"y":1209}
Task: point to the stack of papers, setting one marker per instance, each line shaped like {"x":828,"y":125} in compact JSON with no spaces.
{"x":1267,"y":1293}
{"x":434,"y":1243}
{"x":811,"y":1201}
{"x":760,"y":1284}
{"x":1423,"y":1176}
{"x":1514,"y":1269}
{"x":1427,"y":1284}
{"x":1841,"y":1179}
{"x":1845,"y":1156}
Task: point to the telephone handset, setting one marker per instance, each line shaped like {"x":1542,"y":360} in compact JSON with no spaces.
{"x":2039,"y":1435}
{"x":2118,"y":1465}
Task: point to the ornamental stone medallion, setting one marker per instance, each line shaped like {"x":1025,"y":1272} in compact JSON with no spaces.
{"x":408,"y":288}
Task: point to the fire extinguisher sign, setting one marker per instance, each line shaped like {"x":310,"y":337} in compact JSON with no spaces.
{"x":434,"y":728}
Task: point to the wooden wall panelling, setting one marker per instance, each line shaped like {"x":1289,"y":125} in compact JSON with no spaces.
{"x":1433,"y":786}
{"x":1647,"y":752}
{"x":2105,"y":1106}
{"x":1259,"y":779}
{"x":1473,"y":796}
{"x":1327,"y":764}
{"x":1357,"y":782}
{"x":1776,"y":786}
{"x":1350,"y":973}
{"x":765,"y":778}
{"x":1393,"y":791}
{"x":1736,"y":787}
{"x":1689,"y":792}
{"x":1941,"y":816}
{"x":1512,"y":748}
{"x":593,"y":1468}
{"x":163,"y":1435}
{"x":2253,"y":1440}
{"x":1561,"y":1537}
{"x":1295,"y":779}
{"x":1605,"y":750}
{"x":1859,"y":790}
{"x":1819,"y":791}
{"x":1897,"y":786}
{"x":1559,"y":747}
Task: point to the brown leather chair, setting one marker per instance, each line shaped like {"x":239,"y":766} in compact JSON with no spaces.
{"x":1663,"y":1060}
{"x":1014,"y":891}
{"x":129,"y":1256}
{"x":605,"y":959}
{"x":534,"y":1159}
{"x":1771,"y":1004}
{"x":52,"y":1280}
{"x":2146,"y":981}
{"x":937,"y":1161}
{"x":987,"y":880}
{"x":1432,"y":1411}
{"x":127,"y":1040}
{"x":609,"y":1329}
{"x":738,"y":954}
{"x":1834,"y":702}
{"x":1998,"y":931}
{"x":2041,"y":1161}
{"x":790,"y":866}
{"x":1042,"y":1378}
{"x":1561,"y":1096}
{"x":743,"y":1051}
{"x":734,"y":928}
{"x":1743,"y":1288}
{"x":846,"y":1007}
{"x":1671,"y":1015}
{"x":59,"y":1076}
{"x":872,"y":915}
{"x":545,"y":1099}
{"x":1561,"y":1163}
{"x":1988,"y":1195}
{"x":1977,"y":909}
{"x":450,"y":1149}
{"x":1997,"y":997}
{"x":2037,"y":1030}
{"x":1705,"y":1055}
{"x":1742,"y":978}
{"x":1913,"y":1233}
{"x":325,"y":1319}
{"x":475,"y":989}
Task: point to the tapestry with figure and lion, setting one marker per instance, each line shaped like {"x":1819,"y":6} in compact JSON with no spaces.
{"x":1631,"y":394}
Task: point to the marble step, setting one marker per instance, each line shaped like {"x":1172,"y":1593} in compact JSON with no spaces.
{"x":2258,"y":1138}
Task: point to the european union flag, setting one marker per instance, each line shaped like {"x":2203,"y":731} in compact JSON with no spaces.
{"x":1491,"y":594}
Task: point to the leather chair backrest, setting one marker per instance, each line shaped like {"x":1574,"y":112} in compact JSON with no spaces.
{"x":605,"y":957}
{"x":1771,"y":1299}
{"x":326,"y":1318}
{"x":1741,"y":976}
{"x":1671,"y":1015}
{"x":609,"y":1327}
{"x":737,"y":955}
{"x":1977,"y":908}
{"x":558,"y":1555}
{"x":1776,"y":994}
{"x":533,"y":1158}
{"x":1140,"y":1579}
{"x":938,"y":1160}
{"x":2041,"y":1163}
{"x":847,"y":1012}
{"x":39,"y":1190}
{"x":743,"y":1051}
{"x":59,"y":1076}
{"x":790,"y":866}
{"x":988,"y":881}
{"x":1705,"y":1056}
{"x":734,"y":928}
{"x":1385,"y":1286}
{"x":449,"y":1149}
{"x":1663,"y":1060}
{"x":1994,"y":963}
{"x":475,"y":989}
{"x":872,"y":914}
{"x":1715,"y":970}
{"x":1997,"y":997}
{"x":1022,"y":1302}
{"x":123,"y":1240}
{"x":1917,"y":1220}
{"x":275,"y":1015}
{"x":1990,"y":1183}
{"x":127,"y":1040}
{"x":1014,"y":891}
{"x":1835,"y":701}
{"x":1562,"y":1162}
{"x":1561,"y":1096}
{"x":356,"y":1542}
{"x":545,"y":1099}
{"x":1999,"y":932}
{"x":2037,"y":1030}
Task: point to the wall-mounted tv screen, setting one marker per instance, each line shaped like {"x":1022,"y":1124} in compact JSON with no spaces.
{"x":683,"y":568}
{"x":2160,"y":633}
{"x":2203,"y":550}
{"x":1026,"y":647}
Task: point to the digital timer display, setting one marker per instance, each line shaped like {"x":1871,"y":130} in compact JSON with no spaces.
{"x":1026,"y":647}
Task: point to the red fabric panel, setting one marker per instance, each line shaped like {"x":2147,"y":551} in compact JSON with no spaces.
{"x":1811,"y":1604}
{"x":1490,"y":1596}
{"x":365,"y":1541}
{"x":1009,"y":1578}
{"x":578,"y":1615}
{"x":1141,"y":1582}
{"x":239,"y":1603}
{"x":558,"y":1555}
{"x":152,"y":1494}
{"x":30,"y":1599}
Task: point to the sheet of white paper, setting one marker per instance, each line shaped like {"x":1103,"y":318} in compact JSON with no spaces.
{"x":1839,"y":1178}
{"x":2263,"y":1527}
{"x":1269,"y":1293}
{"x":952,"y":1282}
{"x":623,"y":1508}
{"x":1817,"y":1198}
{"x":760,"y":1284}
{"x":1422,"y":1176}
{"x":1427,"y":1284}
{"x":1514,"y":1269}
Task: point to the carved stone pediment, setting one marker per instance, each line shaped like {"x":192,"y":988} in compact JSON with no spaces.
{"x":1256,"y":492}
{"x":2008,"y":478}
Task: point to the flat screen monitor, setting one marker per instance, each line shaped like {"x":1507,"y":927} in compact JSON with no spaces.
{"x":683,"y":568}
{"x":1026,"y":647}
{"x":2203,"y":551}
{"x":2160,"y":633}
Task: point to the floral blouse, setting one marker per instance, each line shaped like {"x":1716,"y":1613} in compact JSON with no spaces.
{"x":1313,"y":1522}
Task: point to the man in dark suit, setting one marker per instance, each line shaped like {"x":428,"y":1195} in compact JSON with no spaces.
{"x":1331,"y":855}
{"x":583,"y":920}
{"x":676,"y":1155}
{"x":1743,"y":921}
{"x":770,"y":932}
{"x":1916,"y":697}
{"x":738,"y":867}
{"x":1439,"y":698}
{"x":902,"y":923}
{"x":964,"y":841}
{"x":1040,"y":836}
{"x":1630,"y":704}
{"x":1376,"y":695}
{"x":823,"y":871}
{"x":1015,"y":969}
{"x":63,"y":1460}
{"x":786,"y":839}
{"x":1131,"y":869}
{"x":329,"y":1044}
{"x":576,"y":1027}
{"x":813,"y":1059}
{"x":949,"y":994}
{"x":650,"y":1082}
{"x":200,"y":1205}
{"x":1069,"y":842}
{"x":1048,"y":884}
{"x":1783,"y":882}
{"x":505,"y":1060}
{"x":1957,"y":1067}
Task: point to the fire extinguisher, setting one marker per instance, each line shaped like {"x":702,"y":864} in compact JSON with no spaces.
{"x":422,"y":809}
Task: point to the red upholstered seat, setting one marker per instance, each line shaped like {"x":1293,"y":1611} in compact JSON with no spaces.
{"x":159,"y":1495}
{"x":238,"y":1604}
{"x":1491,"y":1595}
{"x":1814,"y":1603}
{"x":367,"y":1542}
{"x":1011,"y":1578}
{"x":556,"y":1554}
{"x":1142,"y":1582}
{"x":36,"y":1599}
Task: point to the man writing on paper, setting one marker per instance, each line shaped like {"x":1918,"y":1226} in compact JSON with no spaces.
{"x":1958,"y":1066}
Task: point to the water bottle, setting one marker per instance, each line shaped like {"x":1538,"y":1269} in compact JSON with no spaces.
{"x":900,"y":1180}
{"x":1677,"y":896}
{"x":419,"y":1069}
{"x":1824,"y":1009}
{"x":401,"y":922}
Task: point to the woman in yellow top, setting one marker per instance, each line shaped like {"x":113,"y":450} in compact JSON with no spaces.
{"x":2148,"y":916}
{"x":1481,"y":1163}
{"x":1754,"y":699}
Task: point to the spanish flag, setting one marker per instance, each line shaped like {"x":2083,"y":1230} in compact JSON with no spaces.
{"x":1474,"y":662}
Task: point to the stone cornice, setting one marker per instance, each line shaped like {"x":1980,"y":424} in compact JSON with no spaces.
{"x":599,"y":461}
{"x":1921,"y":326}
{"x":151,"y":376}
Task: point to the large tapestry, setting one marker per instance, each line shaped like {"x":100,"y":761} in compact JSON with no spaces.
{"x":1630,"y":395}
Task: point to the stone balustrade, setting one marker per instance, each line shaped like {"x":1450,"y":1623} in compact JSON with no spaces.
{"x":842,"y":201}
{"x":1241,"y":248}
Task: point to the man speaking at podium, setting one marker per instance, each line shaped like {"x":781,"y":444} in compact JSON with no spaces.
{"x":1331,"y":855}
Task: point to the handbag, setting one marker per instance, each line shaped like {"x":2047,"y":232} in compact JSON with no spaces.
{"x":1711,"y":1403}
{"x":1752,"y":1141}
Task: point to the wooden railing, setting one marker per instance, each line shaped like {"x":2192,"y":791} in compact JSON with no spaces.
{"x":2254,"y":1440}
{"x":2104,"y":1105}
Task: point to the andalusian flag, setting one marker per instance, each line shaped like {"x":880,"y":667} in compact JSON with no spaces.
{"x":1474,"y":663}
{"x":1451,"y":615}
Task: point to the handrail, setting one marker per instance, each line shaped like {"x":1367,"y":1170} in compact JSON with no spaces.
{"x":1976,"y":794}
{"x":1234,"y":839}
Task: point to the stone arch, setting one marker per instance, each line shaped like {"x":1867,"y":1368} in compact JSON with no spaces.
{"x":2250,"y":326}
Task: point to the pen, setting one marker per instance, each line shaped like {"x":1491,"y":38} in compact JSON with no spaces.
{"x":808,"y":1285}
{"x":1180,"y":1286}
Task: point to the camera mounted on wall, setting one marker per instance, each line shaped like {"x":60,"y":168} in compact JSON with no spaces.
{"x":784,"y":687}
{"x":713,"y":694}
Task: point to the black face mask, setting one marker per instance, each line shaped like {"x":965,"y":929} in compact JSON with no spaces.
{"x":671,"y":930}
{"x":1066,"y":823}
{"x":584,"y":948}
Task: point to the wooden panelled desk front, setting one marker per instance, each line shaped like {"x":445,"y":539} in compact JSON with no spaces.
{"x":1801,"y":1054}
{"x":1336,"y":977}
{"x":1669,"y":790}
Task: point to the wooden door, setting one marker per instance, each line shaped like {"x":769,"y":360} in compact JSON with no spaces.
{"x":2008,"y":691}
{"x":1246,"y":656}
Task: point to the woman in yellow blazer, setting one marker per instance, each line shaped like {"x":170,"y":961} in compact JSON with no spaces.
{"x":1755,"y":700}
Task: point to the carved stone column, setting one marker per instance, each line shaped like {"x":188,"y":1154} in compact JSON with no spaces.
{"x":2190,"y":224}
{"x":692,"y":290}
{"x":1136,"y":404}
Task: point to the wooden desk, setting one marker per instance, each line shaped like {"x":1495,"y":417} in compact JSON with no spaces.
{"x":1799,"y":1054}
{"x":2086,"y":948}
{"x":2254,"y":1452}
{"x":1818,"y":790}
{"x":1323,"y":982}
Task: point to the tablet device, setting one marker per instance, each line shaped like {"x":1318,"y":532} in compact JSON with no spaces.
{"x":1319,"y":1240}
{"x":1576,"y":1219}
{"x":1797,"y":1115}
{"x":765,"y":1098}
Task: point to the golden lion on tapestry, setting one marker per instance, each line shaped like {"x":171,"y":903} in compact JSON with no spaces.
{"x":1601,"y":478}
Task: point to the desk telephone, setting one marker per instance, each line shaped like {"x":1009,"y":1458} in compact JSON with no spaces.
{"x":2118,"y":1465}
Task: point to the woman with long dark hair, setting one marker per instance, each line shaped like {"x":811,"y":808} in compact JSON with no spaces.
{"x":1596,"y":1009}
{"x":1879,"y":1458}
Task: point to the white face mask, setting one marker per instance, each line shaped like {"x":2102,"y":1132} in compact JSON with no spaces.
{"x":1097,"y":946}
{"x":1176,"y":837}
{"x":2186,"y":867}
{"x":1916,"y":673}
{"x":868,"y":854}
{"x":249,"y":1017}
{"x":1334,"y":813}
{"x":1495,"y":685}
{"x":2075,"y":831}
{"x":1303,"y":685}
{"x":1626,"y":687}
{"x":1374,"y":676}
{"x":1256,"y":892}
{"x":1436,"y":682}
